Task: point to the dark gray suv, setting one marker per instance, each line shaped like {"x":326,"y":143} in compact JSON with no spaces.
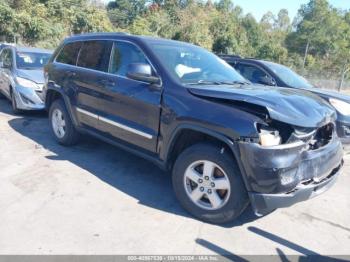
{"x":227,"y":142}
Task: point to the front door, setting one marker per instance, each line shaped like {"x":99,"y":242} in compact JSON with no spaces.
{"x":131,"y":108}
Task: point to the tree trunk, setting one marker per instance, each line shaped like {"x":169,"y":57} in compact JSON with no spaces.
{"x":306,"y":53}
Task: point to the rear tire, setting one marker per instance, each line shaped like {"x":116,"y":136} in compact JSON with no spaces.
{"x":224,"y":196}
{"x":61,"y":124}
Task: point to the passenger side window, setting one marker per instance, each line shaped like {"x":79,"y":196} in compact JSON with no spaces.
{"x":95,"y":55}
{"x":252,"y":73}
{"x":69,"y":53}
{"x":123,"y":55}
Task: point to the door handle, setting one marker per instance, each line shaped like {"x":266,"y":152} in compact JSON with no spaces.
{"x":71,"y":73}
{"x":107,"y":83}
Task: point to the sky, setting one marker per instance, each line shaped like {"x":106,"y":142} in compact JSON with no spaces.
{"x":259,"y":7}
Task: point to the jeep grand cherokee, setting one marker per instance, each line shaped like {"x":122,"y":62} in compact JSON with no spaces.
{"x":228,"y":142}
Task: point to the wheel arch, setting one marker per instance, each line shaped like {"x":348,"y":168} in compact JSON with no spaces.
{"x":184,"y":137}
{"x":53,"y":94}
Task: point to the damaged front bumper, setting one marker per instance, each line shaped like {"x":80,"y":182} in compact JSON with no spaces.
{"x":28,"y":99}
{"x":283,"y":175}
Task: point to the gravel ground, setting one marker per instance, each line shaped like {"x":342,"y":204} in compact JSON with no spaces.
{"x":97,"y":199}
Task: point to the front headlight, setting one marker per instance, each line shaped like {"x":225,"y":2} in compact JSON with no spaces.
{"x":26,"y":83}
{"x":269,"y":137}
{"x":341,"y":106}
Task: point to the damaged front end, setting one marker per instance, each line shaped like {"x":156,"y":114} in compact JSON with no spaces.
{"x":290,"y":164}
{"x":295,"y":153}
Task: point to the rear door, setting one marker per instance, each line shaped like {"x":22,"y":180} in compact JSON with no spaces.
{"x":131,"y":109}
{"x":91,"y":78}
{"x":62,"y":75}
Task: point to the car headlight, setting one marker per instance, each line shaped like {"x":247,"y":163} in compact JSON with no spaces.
{"x":269,"y":137}
{"x":26,"y":83}
{"x":341,"y":106}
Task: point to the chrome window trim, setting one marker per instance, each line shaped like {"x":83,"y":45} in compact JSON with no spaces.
{"x":114,"y":123}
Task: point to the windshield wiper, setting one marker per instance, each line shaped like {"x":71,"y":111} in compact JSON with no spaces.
{"x":204,"y":82}
{"x":209,"y":82}
{"x":234,"y":83}
{"x":29,"y":68}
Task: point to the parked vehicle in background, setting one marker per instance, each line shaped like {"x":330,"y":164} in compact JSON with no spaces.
{"x":273,"y":74}
{"x":227,"y":142}
{"x":22,"y":76}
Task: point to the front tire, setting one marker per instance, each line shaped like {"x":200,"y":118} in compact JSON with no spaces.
{"x":61,"y":124}
{"x":208,"y":184}
{"x":15,"y":109}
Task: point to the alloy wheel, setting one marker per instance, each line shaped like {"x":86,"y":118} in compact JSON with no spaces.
{"x":207,"y":185}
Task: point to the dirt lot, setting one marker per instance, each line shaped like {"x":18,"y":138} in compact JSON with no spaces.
{"x":96,"y":199}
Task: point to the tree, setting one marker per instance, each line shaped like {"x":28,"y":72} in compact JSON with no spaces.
{"x":122,"y":13}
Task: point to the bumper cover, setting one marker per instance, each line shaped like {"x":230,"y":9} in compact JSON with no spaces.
{"x":28,"y":99}
{"x":265,"y":203}
{"x":284,"y":175}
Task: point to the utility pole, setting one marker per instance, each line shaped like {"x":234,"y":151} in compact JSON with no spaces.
{"x":346,"y":70}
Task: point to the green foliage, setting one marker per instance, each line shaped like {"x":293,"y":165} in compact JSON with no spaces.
{"x":317,"y":41}
{"x":46,"y":22}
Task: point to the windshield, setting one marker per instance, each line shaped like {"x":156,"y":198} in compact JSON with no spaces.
{"x":288,"y":76}
{"x":195,"y":65}
{"x":28,"y":60}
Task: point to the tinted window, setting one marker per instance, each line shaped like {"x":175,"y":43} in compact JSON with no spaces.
{"x":288,"y":76}
{"x":252,"y":73}
{"x":6,"y":57}
{"x":29,"y":60}
{"x":69,"y":53}
{"x":123,"y":55}
{"x":95,"y":55}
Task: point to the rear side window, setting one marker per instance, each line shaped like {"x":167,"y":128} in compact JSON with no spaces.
{"x":95,"y":55}
{"x":69,"y":53}
{"x":250,"y":72}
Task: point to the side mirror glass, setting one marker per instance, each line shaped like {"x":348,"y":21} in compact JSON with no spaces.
{"x":1,"y":64}
{"x":141,"y":72}
{"x":267,"y":80}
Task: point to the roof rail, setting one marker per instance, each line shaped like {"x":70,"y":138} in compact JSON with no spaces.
{"x":103,"y":33}
{"x":229,"y":56}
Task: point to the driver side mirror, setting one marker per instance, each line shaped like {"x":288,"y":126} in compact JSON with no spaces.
{"x":267,"y":80}
{"x":142,"y":72}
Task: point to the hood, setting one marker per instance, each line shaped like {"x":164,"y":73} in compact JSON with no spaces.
{"x":295,"y":107}
{"x":324,"y":93}
{"x":36,"y":75}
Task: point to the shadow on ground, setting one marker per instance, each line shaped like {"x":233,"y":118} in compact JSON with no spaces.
{"x":120,"y":169}
{"x":305,"y":253}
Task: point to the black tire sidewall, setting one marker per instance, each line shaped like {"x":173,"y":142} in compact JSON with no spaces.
{"x":238,"y":200}
{"x":14,"y":104}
